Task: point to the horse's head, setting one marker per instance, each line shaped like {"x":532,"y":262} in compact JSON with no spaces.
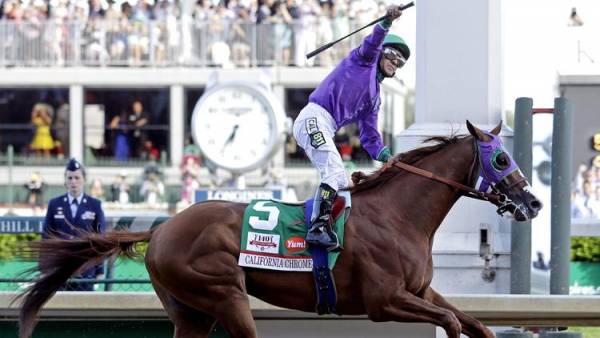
{"x":499,"y":173}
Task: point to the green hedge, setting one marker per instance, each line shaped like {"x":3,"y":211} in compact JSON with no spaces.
{"x":585,"y":249}
{"x":11,"y":243}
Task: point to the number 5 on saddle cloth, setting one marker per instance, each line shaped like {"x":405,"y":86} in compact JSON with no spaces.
{"x":273,"y":235}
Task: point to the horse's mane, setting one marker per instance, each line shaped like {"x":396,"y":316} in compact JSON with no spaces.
{"x":364,"y":182}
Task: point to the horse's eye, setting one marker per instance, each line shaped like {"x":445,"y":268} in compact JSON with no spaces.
{"x":501,"y":161}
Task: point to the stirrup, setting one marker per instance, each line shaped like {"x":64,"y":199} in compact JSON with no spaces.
{"x":335,"y":246}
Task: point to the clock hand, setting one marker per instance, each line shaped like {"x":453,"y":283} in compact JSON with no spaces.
{"x":231,"y":137}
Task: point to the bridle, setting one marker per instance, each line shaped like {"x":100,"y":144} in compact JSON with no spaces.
{"x":495,"y":196}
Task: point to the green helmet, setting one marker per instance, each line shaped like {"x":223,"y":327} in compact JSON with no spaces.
{"x":398,"y":43}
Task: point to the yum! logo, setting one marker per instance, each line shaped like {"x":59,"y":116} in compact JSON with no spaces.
{"x":295,"y":244}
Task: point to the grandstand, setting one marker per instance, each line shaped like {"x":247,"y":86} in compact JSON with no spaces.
{"x":88,"y":62}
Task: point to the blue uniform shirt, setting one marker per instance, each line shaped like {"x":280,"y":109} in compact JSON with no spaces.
{"x":60,"y":222}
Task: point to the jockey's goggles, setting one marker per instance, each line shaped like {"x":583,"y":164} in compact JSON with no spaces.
{"x":394,"y":55}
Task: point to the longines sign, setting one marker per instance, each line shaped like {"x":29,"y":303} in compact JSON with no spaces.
{"x":236,"y":195}
{"x":20,"y":225}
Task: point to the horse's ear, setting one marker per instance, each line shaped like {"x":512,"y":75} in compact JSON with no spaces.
{"x":477,"y":133}
{"x":496,"y":131}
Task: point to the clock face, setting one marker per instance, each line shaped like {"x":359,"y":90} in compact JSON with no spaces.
{"x":235,"y":127}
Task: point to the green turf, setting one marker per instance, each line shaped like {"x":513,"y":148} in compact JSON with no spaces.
{"x":588,"y":332}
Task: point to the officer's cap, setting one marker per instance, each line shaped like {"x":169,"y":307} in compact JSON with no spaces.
{"x":74,"y":165}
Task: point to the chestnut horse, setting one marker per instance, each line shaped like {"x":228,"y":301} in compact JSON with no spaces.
{"x":384,"y":271}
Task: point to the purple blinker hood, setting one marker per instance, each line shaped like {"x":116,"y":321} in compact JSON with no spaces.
{"x":489,"y":171}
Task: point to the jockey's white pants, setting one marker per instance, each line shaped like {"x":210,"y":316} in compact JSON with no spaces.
{"x":314,"y":129}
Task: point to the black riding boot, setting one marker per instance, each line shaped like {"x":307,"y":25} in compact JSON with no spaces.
{"x":321,"y":230}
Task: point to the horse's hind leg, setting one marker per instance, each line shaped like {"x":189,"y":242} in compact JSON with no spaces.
{"x":470,"y":326}
{"x":236,"y":317}
{"x":189,"y":322}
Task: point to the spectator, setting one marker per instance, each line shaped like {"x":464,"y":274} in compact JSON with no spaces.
{"x":41,"y":118}
{"x":117,"y":30}
{"x":139,"y":40}
{"x":282,"y":20}
{"x":35,"y":192}
{"x":152,"y":189}
{"x":190,"y":147}
{"x":73,"y":214}
{"x":540,"y":263}
{"x":324,"y":30}
{"x":149,"y":151}
{"x":240,"y":39}
{"x":61,"y":129}
{"x":121,"y":143}
{"x":138,"y":120}
{"x":574,"y":19}
{"x":306,"y":37}
{"x":587,"y":198}
{"x":340,"y":27}
{"x":203,"y":10}
{"x":96,"y":190}
{"x":190,"y":169}
{"x":93,"y":36}
{"x":580,"y":177}
{"x":594,"y":203}
{"x":96,"y":9}
{"x":577,"y":206}
{"x":120,"y":188}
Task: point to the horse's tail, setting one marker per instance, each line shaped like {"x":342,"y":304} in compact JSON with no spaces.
{"x":60,"y":259}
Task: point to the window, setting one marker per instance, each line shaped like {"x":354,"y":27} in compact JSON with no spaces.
{"x":126,"y":126}
{"x":36,"y":123}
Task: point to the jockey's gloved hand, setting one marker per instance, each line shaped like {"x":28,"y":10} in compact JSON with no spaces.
{"x":384,"y":154}
{"x":393,"y":13}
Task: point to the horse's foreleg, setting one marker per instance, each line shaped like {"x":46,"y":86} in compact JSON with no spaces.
{"x":470,"y":326}
{"x":406,"y":307}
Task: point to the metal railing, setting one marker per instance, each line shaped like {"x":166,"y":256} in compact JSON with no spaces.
{"x":227,"y":43}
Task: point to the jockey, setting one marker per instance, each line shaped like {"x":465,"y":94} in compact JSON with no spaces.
{"x":350,"y":93}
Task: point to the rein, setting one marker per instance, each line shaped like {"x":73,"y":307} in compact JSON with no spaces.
{"x":494,"y":198}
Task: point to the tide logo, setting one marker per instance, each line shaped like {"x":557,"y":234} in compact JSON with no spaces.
{"x":295,"y":244}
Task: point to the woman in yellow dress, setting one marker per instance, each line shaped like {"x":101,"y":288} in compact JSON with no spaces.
{"x":41,"y":118}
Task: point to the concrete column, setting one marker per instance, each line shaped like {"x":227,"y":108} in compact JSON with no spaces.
{"x":458,"y":55}
{"x":520,"y":260}
{"x":176,"y":123}
{"x":562,"y":162}
{"x":458,"y":63}
{"x":76,"y":140}
{"x":279,"y":158}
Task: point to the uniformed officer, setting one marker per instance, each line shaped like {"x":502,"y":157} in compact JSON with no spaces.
{"x":73,"y":213}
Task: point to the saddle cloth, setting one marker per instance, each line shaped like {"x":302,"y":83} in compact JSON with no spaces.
{"x":273,"y":235}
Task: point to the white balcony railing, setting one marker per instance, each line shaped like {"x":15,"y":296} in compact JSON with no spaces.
{"x":169,"y":43}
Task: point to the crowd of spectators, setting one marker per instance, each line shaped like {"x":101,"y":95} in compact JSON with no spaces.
{"x":585,"y":201}
{"x":217,"y":32}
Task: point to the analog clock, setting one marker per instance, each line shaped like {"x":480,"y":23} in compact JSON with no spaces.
{"x":238,"y":126}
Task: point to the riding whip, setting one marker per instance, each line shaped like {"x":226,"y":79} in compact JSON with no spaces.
{"x":326,"y":46}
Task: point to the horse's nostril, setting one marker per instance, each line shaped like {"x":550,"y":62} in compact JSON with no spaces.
{"x":535,"y":205}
